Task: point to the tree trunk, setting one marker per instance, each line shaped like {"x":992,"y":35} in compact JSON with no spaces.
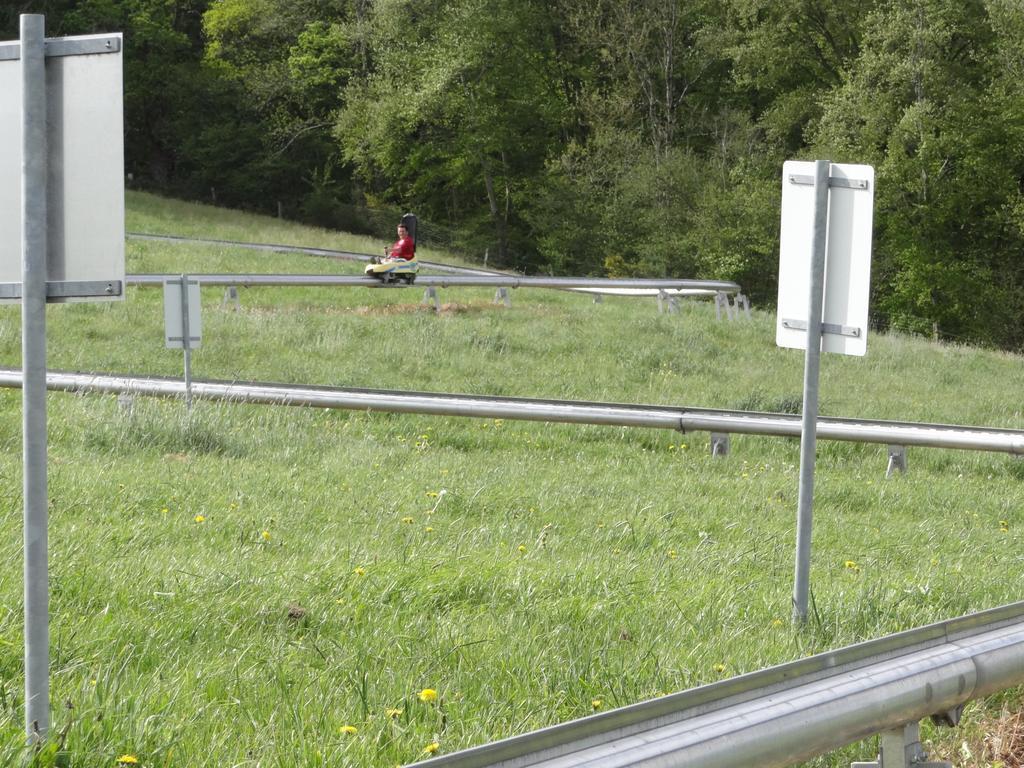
{"x":500,"y":221}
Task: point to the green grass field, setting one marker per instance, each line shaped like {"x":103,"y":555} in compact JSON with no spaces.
{"x":257,"y":586}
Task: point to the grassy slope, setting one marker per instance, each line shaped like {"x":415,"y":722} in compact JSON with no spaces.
{"x":331,"y":580}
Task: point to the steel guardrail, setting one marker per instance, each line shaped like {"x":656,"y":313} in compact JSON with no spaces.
{"x":329,"y":253}
{"x":439,"y":281}
{"x":365,"y":257}
{"x":682,"y":419}
{"x":787,"y":713}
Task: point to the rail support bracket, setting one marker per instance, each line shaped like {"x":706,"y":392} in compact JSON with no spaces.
{"x":230,"y":298}
{"x":742,"y":305}
{"x":723,"y":305}
{"x":720,"y":444}
{"x":501,"y":296}
{"x":897,"y":460}
{"x":901,"y":748}
{"x":667,"y":302}
{"x":126,"y":403}
{"x":430,"y":296}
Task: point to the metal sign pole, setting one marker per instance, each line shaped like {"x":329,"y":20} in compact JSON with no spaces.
{"x":186,"y":343}
{"x":809,"y":420}
{"x":33,"y":355}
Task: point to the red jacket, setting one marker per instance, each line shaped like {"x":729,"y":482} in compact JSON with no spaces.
{"x":404,"y":249}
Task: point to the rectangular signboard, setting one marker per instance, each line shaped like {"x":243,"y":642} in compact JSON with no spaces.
{"x":85,"y":194}
{"x":174,"y":315}
{"x":847,"y":260}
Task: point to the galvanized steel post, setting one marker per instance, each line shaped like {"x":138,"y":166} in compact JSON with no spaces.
{"x":186,"y":343}
{"x":33,"y":351}
{"x":809,"y":417}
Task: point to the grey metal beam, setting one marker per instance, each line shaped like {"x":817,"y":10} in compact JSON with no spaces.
{"x":280,"y":248}
{"x":684,"y":419}
{"x":788,"y":713}
{"x":437,"y":281}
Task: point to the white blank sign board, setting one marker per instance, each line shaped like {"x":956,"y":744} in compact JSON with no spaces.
{"x":173,"y":320}
{"x":85,"y":195}
{"x":847,"y":260}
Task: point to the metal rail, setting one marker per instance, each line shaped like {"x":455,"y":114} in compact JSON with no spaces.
{"x":632,"y":290}
{"x":788,"y":713}
{"x":280,"y":248}
{"x":683,"y":419}
{"x":438,"y":281}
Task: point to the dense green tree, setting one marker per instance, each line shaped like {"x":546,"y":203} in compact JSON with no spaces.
{"x":458,"y":112}
{"x":926,"y":104}
{"x":633,"y":137}
{"x":654,"y":81}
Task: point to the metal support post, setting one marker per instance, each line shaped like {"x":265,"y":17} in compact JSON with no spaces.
{"x":126,"y":403}
{"x":598,"y":298}
{"x":33,"y":351}
{"x":809,"y":420}
{"x":901,"y":748}
{"x":742,"y":302}
{"x":186,"y":343}
{"x":720,"y":300}
{"x":662,"y":296}
{"x":430,"y":295}
{"x":231,"y":298}
{"x":897,"y":460}
{"x":673,"y":305}
{"x":501,"y":296}
{"x":720,"y":444}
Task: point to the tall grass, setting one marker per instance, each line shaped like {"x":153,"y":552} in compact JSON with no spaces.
{"x":235,"y":587}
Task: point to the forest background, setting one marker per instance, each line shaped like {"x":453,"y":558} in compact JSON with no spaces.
{"x":598,"y":137}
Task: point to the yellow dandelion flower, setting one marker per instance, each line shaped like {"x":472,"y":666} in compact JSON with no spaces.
{"x":672,"y":554}
{"x":265,"y":535}
{"x":431,"y":748}
{"x":719,"y":667}
{"x":776,"y":622}
{"x":521,"y":549}
{"x":164,"y":511}
{"x":407,"y":520}
{"x":429,"y":529}
{"x":393,"y":713}
{"x":432,"y":494}
{"x":348,"y":729}
{"x":850,"y":564}
{"x":671,"y":446}
{"x":359,"y":570}
{"x":596,"y":704}
{"x":427,"y":695}
{"x":200,"y":518}
{"x":127,"y":760}
{"x":600,"y":526}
